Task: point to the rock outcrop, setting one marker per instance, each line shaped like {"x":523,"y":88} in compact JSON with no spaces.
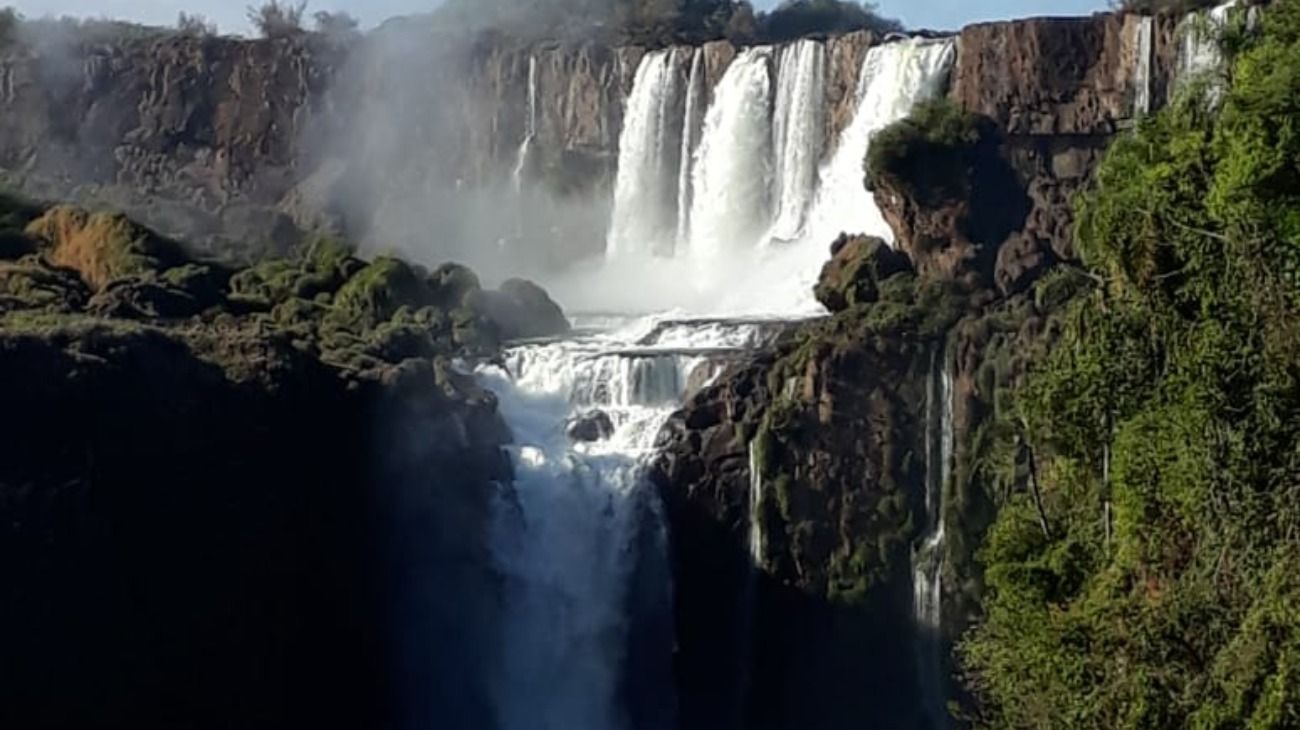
{"x":280,"y":489}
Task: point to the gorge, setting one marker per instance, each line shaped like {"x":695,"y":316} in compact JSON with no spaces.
{"x":742,"y":481}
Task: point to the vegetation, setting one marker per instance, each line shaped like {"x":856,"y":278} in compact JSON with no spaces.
{"x":278,"y":18}
{"x":928,"y":152}
{"x":1153,"y":586}
{"x":9,"y":20}
{"x":663,"y":22}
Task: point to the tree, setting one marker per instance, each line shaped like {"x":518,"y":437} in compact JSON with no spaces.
{"x":338,"y":24}
{"x":8,"y":25}
{"x":195,"y":25}
{"x":276,"y":19}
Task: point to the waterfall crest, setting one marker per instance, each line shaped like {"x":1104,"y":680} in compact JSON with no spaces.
{"x":928,"y":558}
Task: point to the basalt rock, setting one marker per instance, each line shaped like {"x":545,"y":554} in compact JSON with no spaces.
{"x":172,"y":453}
{"x":590,"y":427}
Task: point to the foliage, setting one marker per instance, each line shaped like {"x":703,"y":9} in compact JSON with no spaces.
{"x":278,"y":18}
{"x":928,"y":152}
{"x":9,"y":20}
{"x":1164,"y":425}
{"x":658,"y":23}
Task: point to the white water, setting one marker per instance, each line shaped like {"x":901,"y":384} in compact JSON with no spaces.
{"x":928,"y":559}
{"x":755,"y":229}
{"x":565,"y":542}
{"x":1142,"y":70}
{"x":530,"y":127}
{"x":645,"y":197}
{"x":733,"y":169}
{"x":692,"y":128}
{"x":1198,"y":52}
{"x":797,"y":129}
{"x":756,"y":540}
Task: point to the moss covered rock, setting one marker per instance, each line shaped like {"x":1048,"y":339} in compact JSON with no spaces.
{"x":858,"y":266}
{"x":101,"y":246}
{"x":30,"y":283}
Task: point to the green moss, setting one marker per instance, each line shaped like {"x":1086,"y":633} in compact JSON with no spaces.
{"x":927,"y":153}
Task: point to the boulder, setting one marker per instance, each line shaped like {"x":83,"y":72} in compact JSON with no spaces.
{"x":857,"y":267}
{"x":590,"y":427}
{"x":522,"y":309}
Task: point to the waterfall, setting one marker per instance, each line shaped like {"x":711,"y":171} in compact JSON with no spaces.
{"x":567,"y":542}
{"x":797,"y":125}
{"x":1198,"y":51}
{"x":1142,"y":69}
{"x":928,"y":558}
{"x":645,"y":196}
{"x":692,"y":127}
{"x":530,"y":127}
{"x":893,"y":79}
{"x":754,"y":207}
{"x":755,"y":505}
{"x":733,"y":167}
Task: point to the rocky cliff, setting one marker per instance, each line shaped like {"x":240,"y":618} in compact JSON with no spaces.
{"x":819,"y":448}
{"x":219,"y":140}
{"x":256,"y":483}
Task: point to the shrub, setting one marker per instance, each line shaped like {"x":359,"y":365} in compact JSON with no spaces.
{"x":276,"y":19}
{"x":9,"y":19}
{"x":797,"y":18}
{"x":927,"y":152}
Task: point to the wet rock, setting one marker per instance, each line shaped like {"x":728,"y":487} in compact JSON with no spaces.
{"x":858,"y":264}
{"x":521,"y":309}
{"x":590,"y":427}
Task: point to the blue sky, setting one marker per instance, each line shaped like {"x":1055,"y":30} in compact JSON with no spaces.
{"x":229,"y":14}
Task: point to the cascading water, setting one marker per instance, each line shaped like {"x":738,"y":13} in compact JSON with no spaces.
{"x":797,"y":126}
{"x":645,"y":190}
{"x":530,"y":127}
{"x":692,"y":127}
{"x":927,"y":560}
{"x":893,"y":79}
{"x":1145,"y":30}
{"x":733,"y":167}
{"x":566,"y":543}
{"x":1199,"y":53}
